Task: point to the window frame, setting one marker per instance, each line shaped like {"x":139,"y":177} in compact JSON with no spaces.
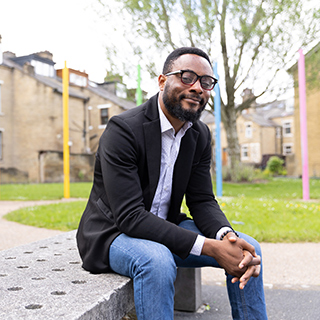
{"x":244,"y":149}
{"x":287,"y":125}
{"x":248,"y":130}
{"x":102,"y":107}
{"x":285,"y":145}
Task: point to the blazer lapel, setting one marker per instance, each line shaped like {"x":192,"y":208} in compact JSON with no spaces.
{"x":152,"y":136}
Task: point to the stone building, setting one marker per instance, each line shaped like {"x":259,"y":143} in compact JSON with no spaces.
{"x":31,"y":127}
{"x":263,"y":131}
{"x":312,"y":61}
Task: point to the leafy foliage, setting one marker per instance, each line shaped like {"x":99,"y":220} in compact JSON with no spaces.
{"x":275,"y":166}
{"x":241,"y":173}
{"x":253,"y":41}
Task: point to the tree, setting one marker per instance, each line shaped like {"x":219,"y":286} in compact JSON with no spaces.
{"x":254,"y":41}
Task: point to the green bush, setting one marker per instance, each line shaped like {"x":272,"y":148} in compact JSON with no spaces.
{"x":241,"y":173}
{"x":275,"y":167}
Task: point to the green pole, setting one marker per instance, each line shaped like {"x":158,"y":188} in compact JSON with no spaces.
{"x":139,"y":91}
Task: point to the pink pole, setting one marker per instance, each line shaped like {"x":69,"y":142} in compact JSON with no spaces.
{"x":303,"y":126}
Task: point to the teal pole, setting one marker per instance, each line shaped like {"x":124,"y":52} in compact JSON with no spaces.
{"x":217,"y":116}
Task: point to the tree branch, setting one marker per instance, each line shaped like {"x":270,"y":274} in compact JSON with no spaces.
{"x":167,"y":26}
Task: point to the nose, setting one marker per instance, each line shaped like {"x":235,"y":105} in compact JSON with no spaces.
{"x":197,"y":87}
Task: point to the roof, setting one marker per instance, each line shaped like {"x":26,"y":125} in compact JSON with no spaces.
{"x":56,"y":83}
{"x":34,"y":56}
{"x":125,"y":104}
{"x":260,"y":120}
{"x":207,"y":117}
{"x":262,"y":115}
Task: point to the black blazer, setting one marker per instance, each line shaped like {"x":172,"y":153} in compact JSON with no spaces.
{"x":126,"y":175}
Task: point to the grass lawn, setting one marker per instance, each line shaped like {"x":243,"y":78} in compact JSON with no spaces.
{"x":60,"y":216}
{"x":43,"y":191}
{"x":271,"y":211}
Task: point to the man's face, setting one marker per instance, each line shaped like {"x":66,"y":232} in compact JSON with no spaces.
{"x":182,"y":101}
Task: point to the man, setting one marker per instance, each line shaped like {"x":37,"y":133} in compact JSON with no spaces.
{"x":149,"y":158}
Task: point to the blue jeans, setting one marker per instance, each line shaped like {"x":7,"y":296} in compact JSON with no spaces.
{"x":152,"y":267}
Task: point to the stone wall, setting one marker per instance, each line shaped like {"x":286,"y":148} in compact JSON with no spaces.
{"x":13,"y":175}
{"x":51,"y":167}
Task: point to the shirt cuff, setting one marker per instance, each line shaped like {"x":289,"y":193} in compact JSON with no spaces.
{"x":221,"y":231}
{"x":197,"y":246}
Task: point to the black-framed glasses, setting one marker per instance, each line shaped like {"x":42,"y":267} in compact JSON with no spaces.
{"x":189,"y":78}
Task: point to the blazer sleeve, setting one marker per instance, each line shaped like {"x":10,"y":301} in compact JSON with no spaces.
{"x":119,"y":154}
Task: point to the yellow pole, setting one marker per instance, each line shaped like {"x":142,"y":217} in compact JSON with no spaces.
{"x":66,"y":161}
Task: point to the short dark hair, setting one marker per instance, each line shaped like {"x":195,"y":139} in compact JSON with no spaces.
{"x":174,"y":55}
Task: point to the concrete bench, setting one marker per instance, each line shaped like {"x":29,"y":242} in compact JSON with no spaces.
{"x":45,"y":280}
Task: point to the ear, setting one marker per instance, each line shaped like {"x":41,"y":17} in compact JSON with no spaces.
{"x":162,"y":79}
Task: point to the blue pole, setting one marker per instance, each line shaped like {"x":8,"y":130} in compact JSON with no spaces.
{"x":217,"y":116}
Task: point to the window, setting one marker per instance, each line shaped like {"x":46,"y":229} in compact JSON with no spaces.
{"x":287,"y":129}
{"x":244,"y":152}
{"x":104,"y":116}
{"x":287,"y":148}
{"x":78,"y":80}
{"x":121,"y":90}
{"x":248,"y":130}
{"x":43,"y":69}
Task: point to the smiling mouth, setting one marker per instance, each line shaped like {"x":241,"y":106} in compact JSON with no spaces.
{"x":193,"y":100}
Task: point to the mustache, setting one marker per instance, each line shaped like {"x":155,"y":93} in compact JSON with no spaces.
{"x":193,"y":97}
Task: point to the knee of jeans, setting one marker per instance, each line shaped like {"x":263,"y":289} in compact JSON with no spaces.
{"x":160,"y":264}
{"x":257,"y":246}
{"x":253,"y":242}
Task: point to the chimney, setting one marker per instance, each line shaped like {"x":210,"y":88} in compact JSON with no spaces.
{"x":247,"y":94}
{"x":45,"y":54}
{"x":28,"y":68}
{"x":1,"y":57}
{"x":9,"y":55}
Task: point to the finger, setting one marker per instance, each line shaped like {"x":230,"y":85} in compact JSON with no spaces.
{"x":257,"y":271}
{"x":231,"y":236}
{"x":255,"y":261}
{"x":246,"y":276}
{"x":244,"y":279}
{"x":247,"y":246}
{"x":235,"y":279}
{"x":247,"y":259}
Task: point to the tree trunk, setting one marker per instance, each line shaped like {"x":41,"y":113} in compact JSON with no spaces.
{"x":230,"y":126}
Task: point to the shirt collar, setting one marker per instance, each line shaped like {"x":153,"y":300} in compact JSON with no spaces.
{"x":166,"y":125}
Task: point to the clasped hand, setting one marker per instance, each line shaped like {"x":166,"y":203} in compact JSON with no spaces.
{"x":236,"y":256}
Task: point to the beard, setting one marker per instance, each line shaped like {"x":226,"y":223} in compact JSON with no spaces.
{"x":175,"y":109}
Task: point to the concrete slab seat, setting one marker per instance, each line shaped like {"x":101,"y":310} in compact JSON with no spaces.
{"x":45,"y":280}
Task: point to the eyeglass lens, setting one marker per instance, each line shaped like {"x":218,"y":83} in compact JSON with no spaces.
{"x":189,"y":77}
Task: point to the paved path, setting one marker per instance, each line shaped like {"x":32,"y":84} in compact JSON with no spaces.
{"x":286,"y":265}
{"x":13,"y":234}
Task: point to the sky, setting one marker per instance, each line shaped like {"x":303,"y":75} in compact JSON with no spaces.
{"x":70,"y":29}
